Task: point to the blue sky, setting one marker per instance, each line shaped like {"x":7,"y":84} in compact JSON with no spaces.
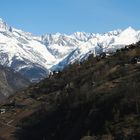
{"x":68,"y":16}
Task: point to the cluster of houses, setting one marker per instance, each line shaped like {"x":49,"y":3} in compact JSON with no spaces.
{"x":5,"y":107}
{"x":133,"y":60}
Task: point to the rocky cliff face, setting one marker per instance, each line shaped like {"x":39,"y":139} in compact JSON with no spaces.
{"x":10,"y":82}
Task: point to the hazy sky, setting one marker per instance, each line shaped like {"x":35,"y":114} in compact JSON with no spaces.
{"x":68,"y":16}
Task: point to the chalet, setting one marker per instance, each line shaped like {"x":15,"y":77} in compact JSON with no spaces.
{"x":2,"y":110}
{"x":103,"y":55}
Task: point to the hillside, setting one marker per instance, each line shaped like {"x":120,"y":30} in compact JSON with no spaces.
{"x":10,"y":82}
{"x":97,"y":99}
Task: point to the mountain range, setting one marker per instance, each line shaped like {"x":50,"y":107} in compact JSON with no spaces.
{"x":35,"y":56}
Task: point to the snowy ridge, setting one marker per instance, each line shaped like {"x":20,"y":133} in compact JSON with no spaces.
{"x":34,"y":56}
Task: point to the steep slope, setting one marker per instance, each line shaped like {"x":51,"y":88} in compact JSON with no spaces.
{"x":34,"y":56}
{"x":10,"y":82}
{"x":96,"y":99}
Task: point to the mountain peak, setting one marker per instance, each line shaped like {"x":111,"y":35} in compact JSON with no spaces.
{"x":1,"y":20}
{"x":129,"y":29}
{"x":128,"y":32}
{"x":3,"y":25}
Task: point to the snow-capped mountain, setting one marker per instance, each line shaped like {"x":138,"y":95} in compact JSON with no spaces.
{"x":34,"y":56}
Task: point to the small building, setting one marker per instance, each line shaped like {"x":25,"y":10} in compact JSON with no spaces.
{"x":103,"y":55}
{"x":2,"y":110}
{"x":135,"y":60}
